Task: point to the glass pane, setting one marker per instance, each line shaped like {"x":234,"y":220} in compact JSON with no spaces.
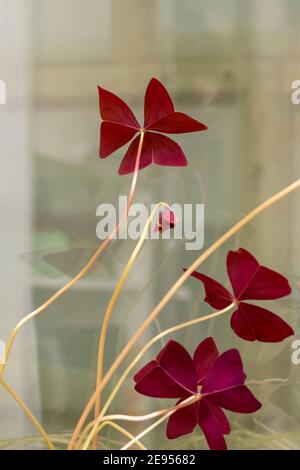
{"x":228,"y":64}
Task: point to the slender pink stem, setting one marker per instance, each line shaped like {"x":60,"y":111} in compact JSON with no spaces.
{"x":132,"y":188}
{"x":130,"y":199}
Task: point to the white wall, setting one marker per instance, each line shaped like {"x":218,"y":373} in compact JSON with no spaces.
{"x":15,"y":217}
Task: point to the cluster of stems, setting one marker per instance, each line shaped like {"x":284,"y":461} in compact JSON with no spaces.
{"x":86,"y":434}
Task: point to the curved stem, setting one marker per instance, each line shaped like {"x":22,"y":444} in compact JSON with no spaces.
{"x":28,"y":413}
{"x":154,"y":414}
{"x":226,"y":236}
{"x":147,"y":430}
{"x":267,"y":381}
{"x":164,"y":333}
{"x":84,"y":433}
{"x":125,"y":374}
{"x":86,"y":268}
{"x":113,"y":300}
{"x":163,"y":418}
{"x":122,"y":431}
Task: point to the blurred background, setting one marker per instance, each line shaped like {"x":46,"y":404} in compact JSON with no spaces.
{"x":230,"y":65}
